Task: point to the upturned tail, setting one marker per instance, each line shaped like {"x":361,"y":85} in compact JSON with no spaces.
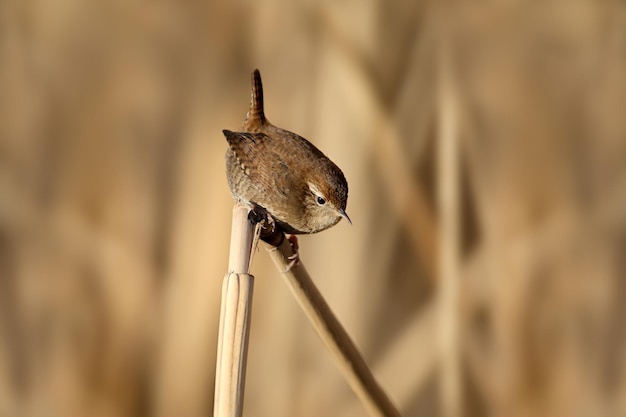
{"x":255,"y":117}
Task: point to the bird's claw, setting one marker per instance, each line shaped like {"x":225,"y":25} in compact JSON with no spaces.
{"x":295,"y":257}
{"x":270,"y":232}
{"x":259,"y":215}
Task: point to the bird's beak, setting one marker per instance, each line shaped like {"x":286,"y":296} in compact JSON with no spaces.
{"x":344,"y":215}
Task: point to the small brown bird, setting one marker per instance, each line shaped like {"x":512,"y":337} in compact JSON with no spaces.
{"x":283,"y":173}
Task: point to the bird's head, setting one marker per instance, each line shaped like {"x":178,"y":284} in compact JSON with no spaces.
{"x":326,"y":198}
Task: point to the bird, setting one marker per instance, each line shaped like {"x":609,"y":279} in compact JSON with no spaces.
{"x":283,"y":174}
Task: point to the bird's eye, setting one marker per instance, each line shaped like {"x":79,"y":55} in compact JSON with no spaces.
{"x":321,"y":201}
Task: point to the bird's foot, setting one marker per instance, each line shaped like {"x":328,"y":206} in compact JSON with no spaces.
{"x":295,"y":258}
{"x":270,"y":231}
{"x":258,"y":214}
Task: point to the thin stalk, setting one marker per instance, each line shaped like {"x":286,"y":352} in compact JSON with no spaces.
{"x":341,"y":347}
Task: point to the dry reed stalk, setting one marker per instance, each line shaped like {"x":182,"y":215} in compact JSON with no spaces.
{"x":448,"y":195}
{"x":232,"y":349}
{"x":342,"y":348}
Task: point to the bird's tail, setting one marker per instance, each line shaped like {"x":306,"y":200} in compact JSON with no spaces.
{"x":255,"y":116}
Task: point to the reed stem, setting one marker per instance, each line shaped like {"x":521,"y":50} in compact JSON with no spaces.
{"x":234,"y":329}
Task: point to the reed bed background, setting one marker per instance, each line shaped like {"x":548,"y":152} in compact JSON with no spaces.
{"x":115,"y":213}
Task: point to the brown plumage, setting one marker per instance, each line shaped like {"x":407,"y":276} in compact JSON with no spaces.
{"x":266,"y":166}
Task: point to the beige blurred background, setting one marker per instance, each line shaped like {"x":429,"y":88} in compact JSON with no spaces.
{"x":115,"y":213}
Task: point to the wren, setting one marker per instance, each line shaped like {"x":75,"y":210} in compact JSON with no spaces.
{"x":283,"y":173}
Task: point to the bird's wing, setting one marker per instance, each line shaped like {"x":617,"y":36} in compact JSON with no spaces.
{"x":259,"y":161}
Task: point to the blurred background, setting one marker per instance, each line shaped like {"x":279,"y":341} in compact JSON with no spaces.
{"x":484,"y":144}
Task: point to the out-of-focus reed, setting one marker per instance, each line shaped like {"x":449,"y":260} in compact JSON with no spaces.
{"x":114,"y":207}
